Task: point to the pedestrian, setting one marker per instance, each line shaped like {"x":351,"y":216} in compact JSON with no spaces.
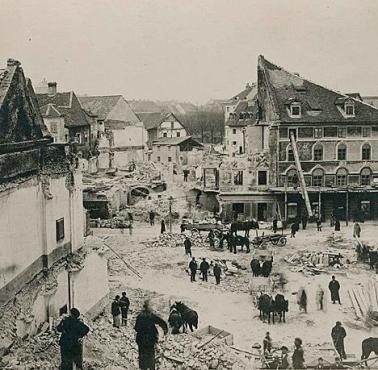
{"x":356,"y":230}
{"x":193,"y":269}
{"x":182,"y":227}
{"x":147,"y":336}
{"x":319,"y":224}
{"x":217,"y":273}
{"x":188,"y":246}
{"x":116,"y":311}
{"x":274,"y":224}
{"x":130,"y":217}
{"x":204,"y":268}
{"x":267,"y":343}
{"x":334,"y":287}
{"x":186,"y":173}
{"x":125,"y":305}
{"x":285,"y":364}
{"x":320,"y":298}
{"x":302,"y":299}
{"x":211,"y":237}
{"x":151,"y":216}
{"x":304,"y":221}
{"x":332,"y":220}
{"x":162,"y":227}
{"x":338,"y":334}
{"x":71,"y":341}
{"x":294,"y":229}
{"x":337,"y":225}
{"x":298,"y":355}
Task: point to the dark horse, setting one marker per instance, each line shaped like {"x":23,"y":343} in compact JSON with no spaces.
{"x":369,"y":345}
{"x":189,"y":316}
{"x":243,"y":226}
{"x":281,"y":306}
{"x":255,"y":267}
{"x":175,"y":321}
{"x":266,"y":306}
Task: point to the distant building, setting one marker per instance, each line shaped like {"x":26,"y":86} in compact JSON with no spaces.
{"x":42,"y":220}
{"x":121,"y":125}
{"x":162,"y":125}
{"x":175,"y":150}
{"x":240,"y":111}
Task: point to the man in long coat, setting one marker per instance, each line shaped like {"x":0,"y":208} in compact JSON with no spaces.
{"x":334,"y":287}
{"x":338,"y":334}
{"x":204,"y":268}
{"x":70,"y":342}
{"x":147,"y":336}
{"x":193,"y":269}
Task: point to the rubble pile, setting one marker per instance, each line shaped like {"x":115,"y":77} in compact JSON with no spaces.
{"x":338,"y":242}
{"x":187,"y":352}
{"x":118,"y":222}
{"x":177,"y":240}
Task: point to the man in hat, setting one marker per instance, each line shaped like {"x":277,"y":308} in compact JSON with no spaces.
{"x":188,"y":246}
{"x":125,"y":304}
{"x":298,"y":354}
{"x":217,"y":273}
{"x":285,"y":364}
{"x":334,"y":287}
{"x":116,"y":311}
{"x":71,"y":347}
{"x":147,"y":336}
{"x":204,"y":268}
{"x":338,"y":334}
{"x":193,"y":269}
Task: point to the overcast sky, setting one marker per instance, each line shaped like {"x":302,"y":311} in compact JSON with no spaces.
{"x":189,"y":50}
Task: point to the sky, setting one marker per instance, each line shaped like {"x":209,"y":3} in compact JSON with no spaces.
{"x":189,"y":50}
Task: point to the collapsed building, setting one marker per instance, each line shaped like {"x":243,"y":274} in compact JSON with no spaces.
{"x":44,"y":267}
{"x":309,"y":151}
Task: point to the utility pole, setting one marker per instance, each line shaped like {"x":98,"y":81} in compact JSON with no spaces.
{"x":170,"y":199}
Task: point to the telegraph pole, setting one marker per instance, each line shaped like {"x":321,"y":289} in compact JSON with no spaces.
{"x":170,"y":199}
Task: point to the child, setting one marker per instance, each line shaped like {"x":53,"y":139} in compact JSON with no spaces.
{"x":319,"y":224}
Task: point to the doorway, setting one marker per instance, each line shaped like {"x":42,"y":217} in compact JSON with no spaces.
{"x":237,"y":210}
{"x":261,"y":211}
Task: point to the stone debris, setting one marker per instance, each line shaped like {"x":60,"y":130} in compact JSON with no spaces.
{"x":177,"y":240}
{"x":338,"y":242}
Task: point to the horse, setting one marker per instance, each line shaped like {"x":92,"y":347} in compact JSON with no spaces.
{"x":175,"y":321}
{"x":189,"y":316}
{"x":266,"y":268}
{"x":266,"y":307}
{"x":242,"y":241}
{"x":255,"y":266}
{"x":243,"y":226}
{"x":369,"y":345}
{"x":281,"y":306}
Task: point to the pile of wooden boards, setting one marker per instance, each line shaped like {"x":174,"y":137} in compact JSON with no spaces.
{"x":365,"y":302}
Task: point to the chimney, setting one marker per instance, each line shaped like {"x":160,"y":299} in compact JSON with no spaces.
{"x":13,"y":63}
{"x":52,"y":88}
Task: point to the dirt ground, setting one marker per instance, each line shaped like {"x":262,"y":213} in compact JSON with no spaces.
{"x":229,"y":306}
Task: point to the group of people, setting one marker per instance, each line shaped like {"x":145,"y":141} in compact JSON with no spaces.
{"x":120,"y":309}
{"x":204,"y":268}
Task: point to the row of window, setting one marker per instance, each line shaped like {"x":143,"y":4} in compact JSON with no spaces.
{"x":178,"y":134}
{"x":318,"y":177}
{"x":341,"y":152}
{"x":296,"y":109}
{"x":159,"y":159}
{"x":262,"y":178}
{"x":327,"y":132}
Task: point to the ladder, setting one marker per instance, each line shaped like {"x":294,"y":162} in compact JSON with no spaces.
{"x":300,"y":175}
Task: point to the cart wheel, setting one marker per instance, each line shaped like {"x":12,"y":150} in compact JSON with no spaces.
{"x":274,"y":241}
{"x":282,"y":241}
{"x":195,"y":231}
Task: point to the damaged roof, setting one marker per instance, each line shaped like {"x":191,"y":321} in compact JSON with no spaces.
{"x":248,"y":93}
{"x":66,"y":104}
{"x":176,"y":141}
{"x":318,"y":103}
{"x":153,"y":120}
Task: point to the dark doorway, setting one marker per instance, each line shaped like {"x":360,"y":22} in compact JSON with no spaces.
{"x":237,"y":209}
{"x":261,"y":211}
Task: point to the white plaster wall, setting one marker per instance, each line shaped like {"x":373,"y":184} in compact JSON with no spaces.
{"x":123,"y":112}
{"x":130,"y":136}
{"x":231,"y":137}
{"x":167,"y":127}
{"x":85,"y":293}
{"x":103,"y":160}
{"x":20,"y":229}
{"x":60,"y":136}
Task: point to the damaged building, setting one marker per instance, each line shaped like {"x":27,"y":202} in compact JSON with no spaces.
{"x":309,"y":150}
{"x":44,"y":267}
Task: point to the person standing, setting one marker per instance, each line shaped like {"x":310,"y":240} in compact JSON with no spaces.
{"x":211,"y":237}
{"x":188,"y":246}
{"x":217,"y":273}
{"x":304,"y":221}
{"x":294,"y":229}
{"x":338,"y":334}
{"x":274,"y":224}
{"x":334,"y":288}
{"x":302,"y":299}
{"x":125,"y":304}
{"x":147,"y":336}
{"x":267,"y":343}
{"x":337,"y":225}
{"x":320,"y":298}
{"x":356,"y":230}
{"x":71,"y":347}
{"x":193,"y":269}
{"x":298,"y":354}
{"x":186,"y":173}
{"x":162,"y":227}
{"x":319,"y":224}
{"x":116,"y":312}
{"x":151,"y":216}
{"x":204,"y":268}
{"x":285,"y":364}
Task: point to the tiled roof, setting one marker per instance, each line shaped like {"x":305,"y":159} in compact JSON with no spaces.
{"x":50,"y":111}
{"x":151,"y":120}
{"x":248,"y":93}
{"x":101,"y":106}
{"x":68,"y":105}
{"x":175,"y":141}
{"x":318,"y":103}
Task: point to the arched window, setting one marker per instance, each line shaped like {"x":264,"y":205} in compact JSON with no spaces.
{"x":290,"y":154}
{"x":341,"y":177}
{"x":318,"y":152}
{"x":342,"y":152}
{"x":292,"y":178}
{"x":365,"y":176}
{"x":318,"y":177}
{"x":366,"y":152}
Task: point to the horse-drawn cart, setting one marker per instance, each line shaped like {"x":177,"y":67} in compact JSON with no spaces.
{"x":275,"y":239}
{"x":204,"y":226}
